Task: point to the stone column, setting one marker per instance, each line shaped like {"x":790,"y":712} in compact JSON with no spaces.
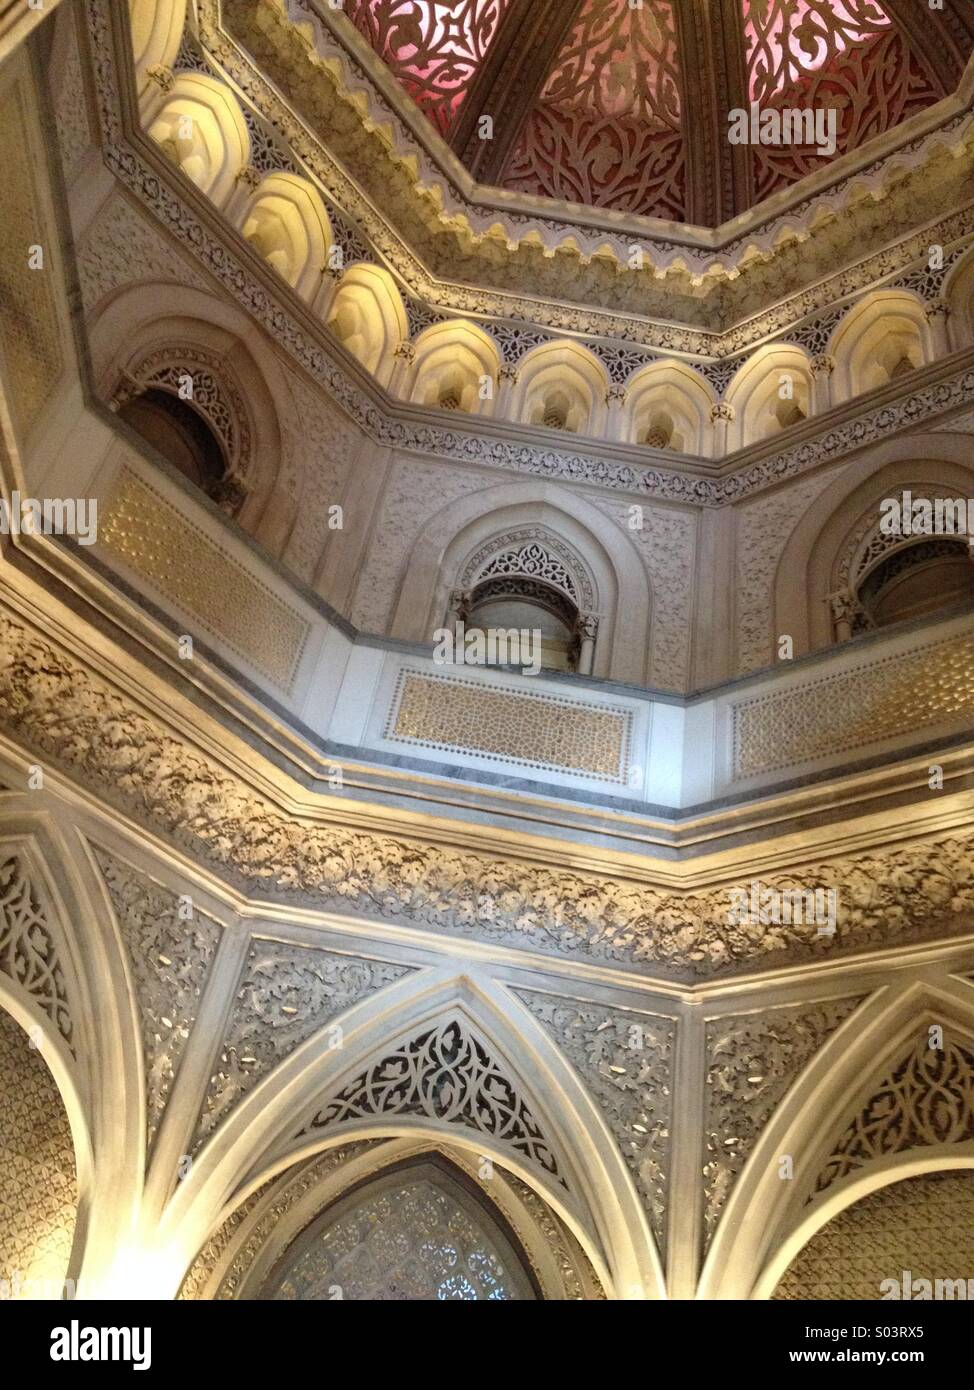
{"x":401,"y":375}
{"x":822,"y":368}
{"x":586,"y":630}
{"x":616,"y":421}
{"x":843,"y":608}
{"x":508,"y":377}
{"x":721,"y":415}
{"x":937,"y":315}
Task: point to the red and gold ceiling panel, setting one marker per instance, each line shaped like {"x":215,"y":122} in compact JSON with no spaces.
{"x":607,"y":129}
{"x":434,"y":47}
{"x":844,"y":56}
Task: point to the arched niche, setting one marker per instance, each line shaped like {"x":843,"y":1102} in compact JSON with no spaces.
{"x":884,"y":337}
{"x":958,"y":293}
{"x":554,"y":1139}
{"x":368,"y":318}
{"x":812,"y":570}
{"x":420,"y":1231}
{"x":157,"y":29}
{"x":772,"y":391}
{"x":442,"y":552}
{"x":452,"y":361}
{"x":159,"y":331}
{"x":669,"y":407}
{"x":241,"y":1259}
{"x":562,"y":386}
{"x":285,"y":221}
{"x":200,"y":127}
{"x":878,"y":1101}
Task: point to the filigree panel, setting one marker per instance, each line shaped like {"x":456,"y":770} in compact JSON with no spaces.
{"x":927,"y":1098}
{"x":626,"y":1060}
{"x":286,"y":994}
{"x":849,"y":710}
{"x":434,"y":50}
{"x":752,"y":1060}
{"x":29,"y":953}
{"x":449,"y":1074}
{"x":507,"y":725}
{"x":408,"y":1238}
{"x":839,"y":55}
{"x":39,"y":1190}
{"x":154,"y":538}
{"x":170,"y":954}
{"x":29,"y":327}
{"x":290,"y":1188}
{"x":607,"y":128}
{"x":923,"y":1225}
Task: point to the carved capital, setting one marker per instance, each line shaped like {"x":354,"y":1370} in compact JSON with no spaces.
{"x":406,"y":350}
{"x":721,"y":411}
{"x":162,"y":76}
{"x":822,"y":364}
{"x":616,"y":395}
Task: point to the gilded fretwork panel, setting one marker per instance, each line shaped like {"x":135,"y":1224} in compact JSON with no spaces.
{"x":852,"y":709}
{"x":161,"y":544}
{"x":512,"y":726}
{"x":28,"y":310}
{"x":922,"y":1227}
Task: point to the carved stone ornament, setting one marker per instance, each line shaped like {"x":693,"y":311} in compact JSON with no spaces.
{"x":170,"y":948}
{"x":29,"y":951}
{"x":67,"y":714}
{"x":752,"y":1060}
{"x":459,"y":442}
{"x":286,"y":994}
{"x":927,"y":1098}
{"x":447,"y":1073}
{"x":625,"y":1060}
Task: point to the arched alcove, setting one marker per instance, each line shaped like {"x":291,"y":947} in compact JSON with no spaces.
{"x":883,"y":337}
{"x":367,"y":316}
{"x":285,"y":222}
{"x":199,"y":125}
{"x":772,"y":391}
{"x":562,"y":386}
{"x":669,"y":408}
{"x":452,"y":362}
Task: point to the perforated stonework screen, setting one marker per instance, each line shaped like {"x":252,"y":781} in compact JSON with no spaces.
{"x":38,"y":1189}
{"x":512,"y":726}
{"x":924,"y":1225}
{"x":146,"y":532}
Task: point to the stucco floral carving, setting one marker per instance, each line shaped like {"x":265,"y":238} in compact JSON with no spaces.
{"x":752,"y":1060}
{"x":286,"y":994}
{"x":625,"y":1058}
{"x":170,"y":954}
{"x":67,"y":714}
{"x":30,"y":954}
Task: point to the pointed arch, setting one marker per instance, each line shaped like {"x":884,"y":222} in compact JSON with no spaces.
{"x":452,"y":535}
{"x":586,"y":1181}
{"x":884,"y":336}
{"x":157,"y":28}
{"x":771,"y":391}
{"x":766,"y":1220}
{"x":958,"y":292}
{"x":562,"y":385}
{"x":451,"y":359}
{"x":669,"y":408}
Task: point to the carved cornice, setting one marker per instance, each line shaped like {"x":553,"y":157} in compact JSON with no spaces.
{"x":66,"y":715}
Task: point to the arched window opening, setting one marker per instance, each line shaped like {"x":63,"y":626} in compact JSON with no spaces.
{"x":660,"y":432}
{"x":181,"y":435}
{"x":421,"y":1232}
{"x":526,"y":605}
{"x":896,"y":356}
{"x":917,"y":580}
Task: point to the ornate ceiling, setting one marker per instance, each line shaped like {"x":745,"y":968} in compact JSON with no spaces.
{"x":624,"y":104}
